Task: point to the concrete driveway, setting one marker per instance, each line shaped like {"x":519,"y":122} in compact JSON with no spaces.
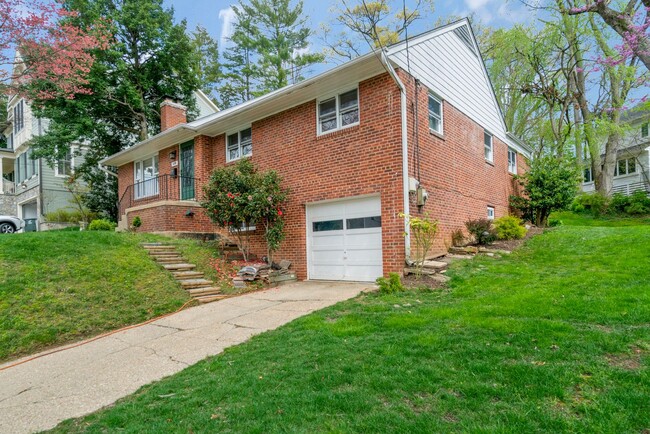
{"x":39,"y":394}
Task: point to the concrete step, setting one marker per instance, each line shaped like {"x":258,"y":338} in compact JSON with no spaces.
{"x":184,"y":275}
{"x":210,"y":298}
{"x":163,"y":252}
{"x":195,"y":283}
{"x":203,"y":291}
{"x":179,"y":267}
{"x":159,"y":248}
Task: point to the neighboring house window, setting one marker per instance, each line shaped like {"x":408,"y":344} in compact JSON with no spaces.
{"x":644,"y":130}
{"x":589,"y":177}
{"x":65,"y":165}
{"x":512,"y":161}
{"x":625,"y":166}
{"x":435,"y":114}
{"x":25,"y":167}
{"x":489,"y":150}
{"x":490,"y":213}
{"x":19,"y":116}
{"x":240,"y":144}
{"x":338,"y":112}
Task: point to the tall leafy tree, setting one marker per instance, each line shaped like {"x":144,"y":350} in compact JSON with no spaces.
{"x":208,"y":68}
{"x":270,"y":49}
{"x":149,"y":57}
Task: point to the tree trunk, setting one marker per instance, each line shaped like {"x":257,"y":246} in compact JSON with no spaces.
{"x":605,"y":176}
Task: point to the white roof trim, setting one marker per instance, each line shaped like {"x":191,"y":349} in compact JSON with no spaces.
{"x":206,"y":99}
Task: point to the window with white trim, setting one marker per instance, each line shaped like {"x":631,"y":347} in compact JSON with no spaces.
{"x":626,"y":166}
{"x":146,"y":177}
{"x":435,"y":114}
{"x":589,"y":177}
{"x":19,"y":116}
{"x":338,"y":112}
{"x":490,"y":213}
{"x":512,"y":161}
{"x":64,"y":166}
{"x":240,"y":144}
{"x":489,"y":149}
{"x":644,"y":130}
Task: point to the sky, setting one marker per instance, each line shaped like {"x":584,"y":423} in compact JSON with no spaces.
{"x":217,"y":16}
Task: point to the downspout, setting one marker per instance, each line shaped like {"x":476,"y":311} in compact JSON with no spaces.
{"x":405,"y":151}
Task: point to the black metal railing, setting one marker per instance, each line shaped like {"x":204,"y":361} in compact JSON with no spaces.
{"x":160,"y":188}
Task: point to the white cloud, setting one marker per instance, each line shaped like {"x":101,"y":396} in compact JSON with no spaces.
{"x":228,"y":19}
{"x":476,"y":4}
{"x":301,"y":52}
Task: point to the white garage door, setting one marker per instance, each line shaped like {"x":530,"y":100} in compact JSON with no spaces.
{"x":345,"y":240}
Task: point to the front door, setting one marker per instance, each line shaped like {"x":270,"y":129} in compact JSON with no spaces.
{"x":187,"y":171}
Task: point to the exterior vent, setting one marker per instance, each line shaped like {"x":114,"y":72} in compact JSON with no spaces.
{"x":464,"y":34}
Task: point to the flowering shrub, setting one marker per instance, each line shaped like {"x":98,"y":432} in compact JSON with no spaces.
{"x":238,"y":197}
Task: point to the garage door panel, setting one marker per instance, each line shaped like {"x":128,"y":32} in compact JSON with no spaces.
{"x":345,"y":240}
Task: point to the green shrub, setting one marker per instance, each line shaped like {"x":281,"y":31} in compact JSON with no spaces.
{"x":390,"y":285}
{"x":63,"y":216}
{"x":101,"y":225}
{"x":135,"y":223}
{"x":639,"y":203}
{"x":482,"y":231}
{"x":554,"y":222}
{"x":509,"y":228}
{"x":594,"y":203}
{"x":618,"y":203}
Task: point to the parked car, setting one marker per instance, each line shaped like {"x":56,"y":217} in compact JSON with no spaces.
{"x":10,"y":224}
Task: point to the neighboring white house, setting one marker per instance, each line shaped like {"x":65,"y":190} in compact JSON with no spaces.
{"x":31,"y":188}
{"x":632,"y":159}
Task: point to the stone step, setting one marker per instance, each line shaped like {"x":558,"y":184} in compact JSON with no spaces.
{"x":170,"y":260}
{"x":179,"y":267}
{"x":210,"y":298}
{"x":203,"y":291}
{"x":195,"y":283}
{"x":184,"y":275}
{"x":435,"y":265}
{"x":163,"y":252}
{"x":159,"y":248}
{"x":152,"y":244}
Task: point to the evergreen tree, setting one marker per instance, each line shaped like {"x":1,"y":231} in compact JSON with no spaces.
{"x":208,"y":69}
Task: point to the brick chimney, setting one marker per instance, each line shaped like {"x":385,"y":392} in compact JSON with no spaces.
{"x":172,"y":114}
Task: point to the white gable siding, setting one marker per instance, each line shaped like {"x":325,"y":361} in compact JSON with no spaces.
{"x":447,"y":66}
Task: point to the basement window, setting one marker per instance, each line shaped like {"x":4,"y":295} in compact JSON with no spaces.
{"x":490,"y":213}
{"x":240,"y":144}
{"x":338,"y":112}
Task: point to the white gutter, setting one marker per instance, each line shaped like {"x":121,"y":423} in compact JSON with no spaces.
{"x":405,"y":152}
{"x":105,"y":170}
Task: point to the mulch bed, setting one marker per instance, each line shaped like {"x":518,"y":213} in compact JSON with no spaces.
{"x":511,"y":245}
{"x":413,"y":282}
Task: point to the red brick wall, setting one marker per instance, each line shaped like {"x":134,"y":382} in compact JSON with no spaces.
{"x":460,"y":182}
{"x":360,"y":160}
{"x":171,"y":218}
{"x":171,"y":114}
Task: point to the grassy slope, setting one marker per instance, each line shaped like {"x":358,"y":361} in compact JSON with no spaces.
{"x":555,"y":337}
{"x":61,"y":286}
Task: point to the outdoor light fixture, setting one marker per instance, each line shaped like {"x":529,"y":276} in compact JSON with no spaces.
{"x":172,"y":155}
{"x":189,"y":213}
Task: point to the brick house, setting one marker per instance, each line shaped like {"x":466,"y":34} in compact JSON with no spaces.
{"x":414,"y":129}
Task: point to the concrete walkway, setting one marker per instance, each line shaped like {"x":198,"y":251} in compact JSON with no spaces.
{"x":39,"y":394}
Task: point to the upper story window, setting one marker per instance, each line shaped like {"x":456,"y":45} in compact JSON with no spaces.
{"x":489,"y":149}
{"x":19,"y":116}
{"x":338,"y":112}
{"x":512,"y":161}
{"x":644,"y":130}
{"x":625,"y":166}
{"x":25,"y":167}
{"x":64,"y":165}
{"x":240,"y":144}
{"x":435,"y":114}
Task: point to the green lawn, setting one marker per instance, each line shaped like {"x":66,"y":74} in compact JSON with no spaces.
{"x":60,"y":286}
{"x":572,"y":219}
{"x":553,"y":338}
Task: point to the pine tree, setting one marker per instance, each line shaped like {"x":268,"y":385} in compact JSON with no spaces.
{"x":208,"y":68}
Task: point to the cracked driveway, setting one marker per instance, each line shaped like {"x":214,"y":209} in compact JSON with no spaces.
{"x":39,"y":394}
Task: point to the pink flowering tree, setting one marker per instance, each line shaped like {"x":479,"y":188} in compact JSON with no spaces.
{"x":50,"y":48}
{"x":239,"y":197}
{"x":632,"y":23}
